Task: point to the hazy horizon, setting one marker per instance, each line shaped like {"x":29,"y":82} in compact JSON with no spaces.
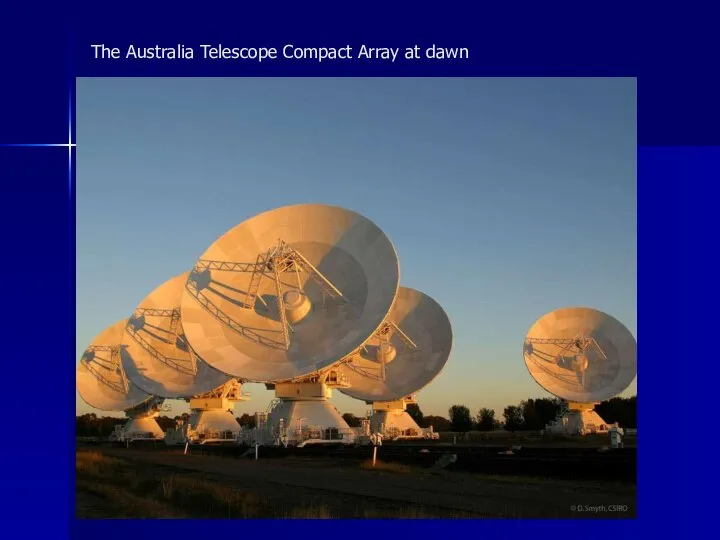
{"x":505,"y":198}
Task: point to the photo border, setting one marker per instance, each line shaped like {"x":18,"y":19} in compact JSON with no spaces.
{"x":677,"y":176}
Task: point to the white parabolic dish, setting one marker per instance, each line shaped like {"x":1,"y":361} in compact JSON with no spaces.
{"x":338,"y":276}
{"x":100,"y":379}
{"x":428,"y":328}
{"x":581,"y":354}
{"x":156,"y":356}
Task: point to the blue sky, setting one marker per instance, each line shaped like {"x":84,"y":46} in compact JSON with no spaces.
{"x":505,"y":198}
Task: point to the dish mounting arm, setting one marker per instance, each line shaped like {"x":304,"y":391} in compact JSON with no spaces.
{"x":114,"y":364}
{"x":148,"y":408}
{"x":281,"y":308}
{"x":278,"y":259}
{"x":231,"y":390}
{"x":580,"y":343}
{"x":282,"y":258}
{"x":408,"y":342}
{"x":172,"y":335}
{"x":386,"y":331}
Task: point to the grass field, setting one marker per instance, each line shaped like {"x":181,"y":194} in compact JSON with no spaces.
{"x":121,"y":483}
{"x":109,"y":487}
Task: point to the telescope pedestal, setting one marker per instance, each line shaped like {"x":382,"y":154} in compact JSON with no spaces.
{"x":391,"y":420}
{"x":141,"y":428}
{"x":212,"y":417}
{"x":207,"y":426}
{"x":578,"y":419}
{"x":141,"y":424}
{"x":301,"y":414}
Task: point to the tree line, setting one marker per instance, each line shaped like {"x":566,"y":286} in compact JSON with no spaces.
{"x":528,"y":415}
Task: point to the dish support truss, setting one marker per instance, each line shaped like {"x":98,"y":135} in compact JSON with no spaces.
{"x":383,"y":335}
{"x":230,"y":391}
{"x":279,"y":259}
{"x":575,"y":347}
{"x":107,"y":357}
{"x":169,"y":335}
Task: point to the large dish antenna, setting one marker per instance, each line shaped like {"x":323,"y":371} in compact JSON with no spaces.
{"x":581,"y":354}
{"x":290,"y":292}
{"x":100,"y":378}
{"x":408,"y":351}
{"x":156,"y":355}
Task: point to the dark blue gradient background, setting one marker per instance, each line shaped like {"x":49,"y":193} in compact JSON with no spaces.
{"x":671,"y":53}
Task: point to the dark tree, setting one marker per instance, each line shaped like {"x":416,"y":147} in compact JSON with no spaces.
{"x":247,"y":420}
{"x":513,"y":418}
{"x":86,"y":425}
{"x":531,"y":420}
{"x":352,"y":420}
{"x":620,"y":410}
{"x":438,"y":423}
{"x":460,"y":419}
{"x":486,"y":420}
{"x":547,"y":410}
{"x":413,"y":409}
{"x":90,"y":425}
{"x":537,"y":413}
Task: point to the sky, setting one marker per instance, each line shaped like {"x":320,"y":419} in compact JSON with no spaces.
{"x":504,"y":198}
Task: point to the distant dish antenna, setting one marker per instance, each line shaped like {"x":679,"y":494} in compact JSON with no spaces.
{"x":290,"y":292}
{"x":582,"y":356}
{"x":102,"y":384}
{"x":408,"y":351}
{"x":100,"y":378}
{"x":156,"y":356}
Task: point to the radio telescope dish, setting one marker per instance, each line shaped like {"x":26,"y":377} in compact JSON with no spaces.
{"x":100,"y":378}
{"x":290,"y":292}
{"x":156,"y":356}
{"x":408,"y":351}
{"x":581,"y":354}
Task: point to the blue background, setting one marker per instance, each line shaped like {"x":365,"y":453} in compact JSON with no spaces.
{"x":671,"y":53}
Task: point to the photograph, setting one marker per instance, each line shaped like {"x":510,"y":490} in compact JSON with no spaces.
{"x":356,"y":298}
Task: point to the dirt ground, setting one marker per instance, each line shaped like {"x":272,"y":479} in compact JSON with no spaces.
{"x":355,"y":490}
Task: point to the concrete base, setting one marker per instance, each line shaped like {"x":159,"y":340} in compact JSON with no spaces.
{"x":303,"y":422}
{"x":203,"y":427}
{"x":212,"y":426}
{"x":391,"y":420}
{"x":578,"y":419}
{"x":138,"y":428}
{"x":398,"y":424}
